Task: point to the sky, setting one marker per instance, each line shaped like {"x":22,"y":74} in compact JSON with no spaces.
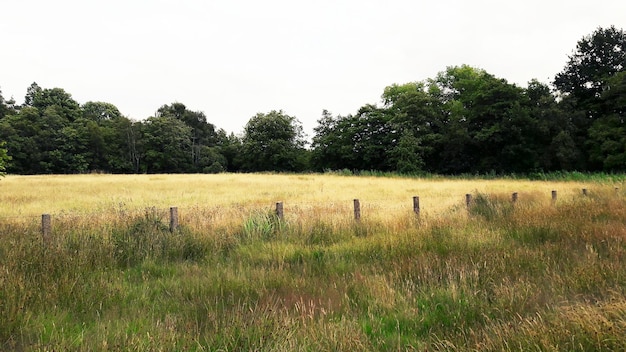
{"x":232,"y":59}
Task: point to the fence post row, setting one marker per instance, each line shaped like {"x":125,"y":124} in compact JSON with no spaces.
{"x":46,"y":219}
{"x":173,"y":219}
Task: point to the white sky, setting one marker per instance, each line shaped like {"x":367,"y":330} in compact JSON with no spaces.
{"x":234,"y":58}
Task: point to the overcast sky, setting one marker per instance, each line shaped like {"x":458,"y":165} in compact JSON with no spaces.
{"x":234,"y":58}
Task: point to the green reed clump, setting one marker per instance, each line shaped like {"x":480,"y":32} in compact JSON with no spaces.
{"x":148,"y":237}
{"x":261,"y":226}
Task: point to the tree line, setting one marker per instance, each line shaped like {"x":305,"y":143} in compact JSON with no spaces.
{"x":464,"y":120}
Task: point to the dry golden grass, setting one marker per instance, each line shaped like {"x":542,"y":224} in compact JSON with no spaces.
{"x":34,"y":195}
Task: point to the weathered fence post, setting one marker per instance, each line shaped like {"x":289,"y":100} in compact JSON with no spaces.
{"x":279,"y":211}
{"x":357,"y":210}
{"x":173,"y":219}
{"x":514,"y":197}
{"x":468,"y":200}
{"x":416,"y":205}
{"x":553,"y":197}
{"x":46,"y":228}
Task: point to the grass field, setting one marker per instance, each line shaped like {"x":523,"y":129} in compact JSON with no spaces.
{"x":498,"y":276}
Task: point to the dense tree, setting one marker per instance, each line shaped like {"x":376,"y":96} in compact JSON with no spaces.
{"x":489,"y":125}
{"x":417,"y":116}
{"x":21,"y":133}
{"x":4,"y":158}
{"x":63,"y":102}
{"x":98,"y":111}
{"x":607,"y":134}
{"x":332,"y":144}
{"x":355,"y":142}
{"x":464,"y":120}
{"x":32,"y":92}
{"x":558,"y":147}
{"x":166,"y":145}
{"x":273,"y":142}
{"x":592,"y":69}
{"x":205,"y":140}
{"x":598,"y":57}
{"x":6,"y":107}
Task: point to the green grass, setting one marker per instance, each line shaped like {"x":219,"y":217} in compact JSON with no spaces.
{"x":493,"y":277}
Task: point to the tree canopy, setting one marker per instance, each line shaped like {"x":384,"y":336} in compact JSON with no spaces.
{"x":463,"y":120}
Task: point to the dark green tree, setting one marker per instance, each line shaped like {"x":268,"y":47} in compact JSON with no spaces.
{"x":6,"y":107}
{"x":20,"y":132}
{"x":63,"y":102}
{"x":4,"y":159}
{"x":166,"y":145}
{"x":607,"y":134}
{"x":98,"y":111}
{"x":416,"y":115}
{"x":598,"y":57}
{"x":590,"y":71}
{"x":331,"y":145}
{"x":556,"y":133}
{"x":485,"y":126}
{"x":273,"y":141}
{"x":205,"y":140}
{"x":32,"y":92}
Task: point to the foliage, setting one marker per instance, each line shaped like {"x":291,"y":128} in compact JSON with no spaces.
{"x":273,"y":142}
{"x":4,"y":158}
{"x":464,"y":120}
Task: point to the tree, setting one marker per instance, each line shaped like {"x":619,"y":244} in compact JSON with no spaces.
{"x":557,"y":146}
{"x":485,"y":125}
{"x":98,"y":111}
{"x":590,"y":71}
{"x":355,"y":142}
{"x":597,"y":58}
{"x":203,"y":136}
{"x":32,"y":92}
{"x":607,"y":135}
{"x":167,"y":144}
{"x":416,"y":115}
{"x":20,"y":132}
{"x":4,"y":159}
{"x":407,"y":155}
{"x":332,"y":146}
{"x":6,"y":107}
{"x":273,"y":142}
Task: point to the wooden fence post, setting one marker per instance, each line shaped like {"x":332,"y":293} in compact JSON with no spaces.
{"x":468,"y":200}
{"x":46,"y":228}
{"x":514,"y":197}
{"x":357,"y":210}
{"x":553,"y":197}
{"x":279,"y":211}
{"x":416,"y":205}
{"x":173,"y":219}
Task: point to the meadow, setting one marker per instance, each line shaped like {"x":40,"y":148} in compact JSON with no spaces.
{"x":530,"y":275}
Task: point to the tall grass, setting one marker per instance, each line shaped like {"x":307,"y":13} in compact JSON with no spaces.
{"x":498,"y":276}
